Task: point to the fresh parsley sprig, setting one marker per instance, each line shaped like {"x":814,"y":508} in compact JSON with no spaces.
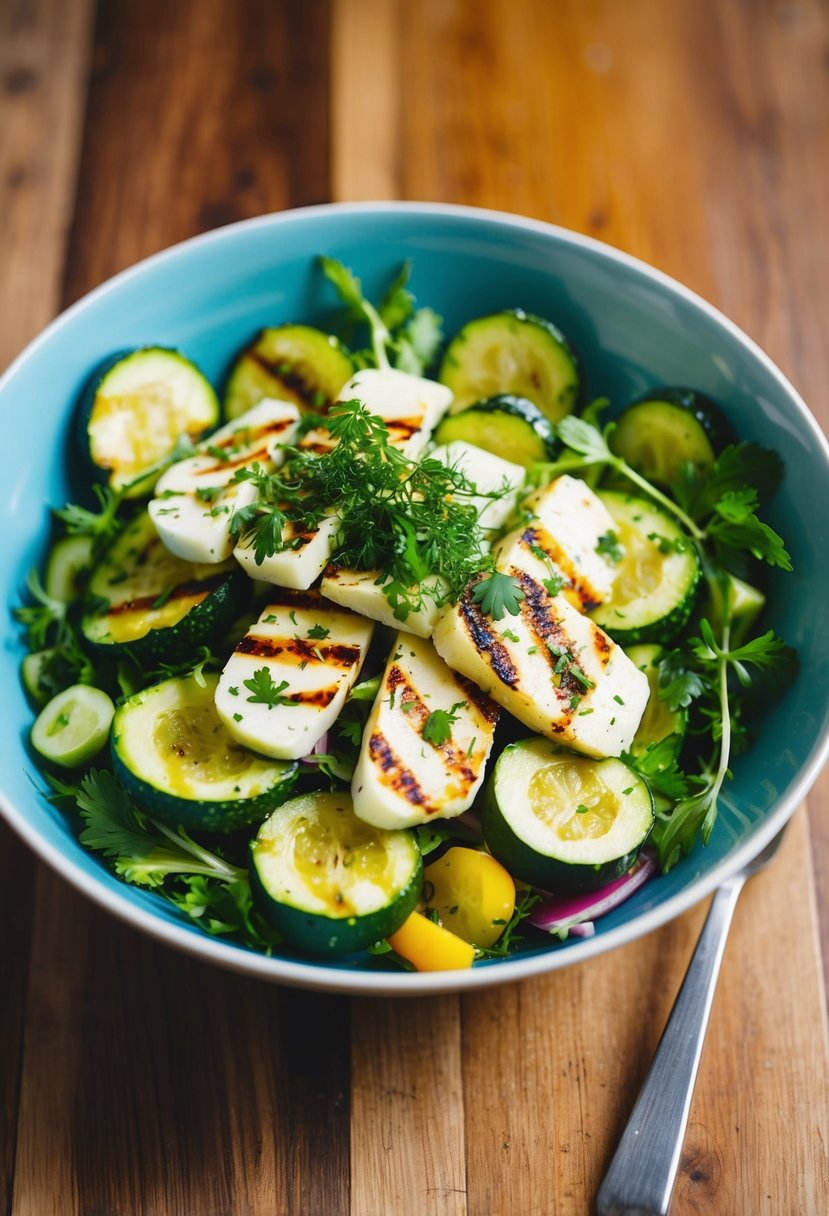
{"x":208,"y":888}
{"x":410,"y":336}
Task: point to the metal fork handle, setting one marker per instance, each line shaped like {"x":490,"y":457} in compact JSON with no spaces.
{"x":641,"y":1175}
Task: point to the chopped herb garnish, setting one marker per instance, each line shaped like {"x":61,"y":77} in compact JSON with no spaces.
{"x":264,"y":691}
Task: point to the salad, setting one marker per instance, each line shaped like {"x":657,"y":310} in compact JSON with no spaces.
{"x":365,"y":659}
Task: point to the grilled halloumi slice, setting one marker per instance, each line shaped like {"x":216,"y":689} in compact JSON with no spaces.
{"x":300,"y":563}
{"x":402,"y":778}
{"x":550,"y":667}
{"x":411,"y":407}
{"x":362,"y":591}
{"x":566,"y":524}
{"x":491,"y":475}
{"x":196,"y":497}
{"x":289,"y":676}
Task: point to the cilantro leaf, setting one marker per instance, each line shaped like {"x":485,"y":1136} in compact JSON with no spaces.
{"x":678,"y":682}
{"x":582,"y":437}
{"x":264,"y":691}
{"x":437,"y":728}
{"x":498,"y":594}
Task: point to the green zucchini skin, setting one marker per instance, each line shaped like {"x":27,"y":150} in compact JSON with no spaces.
{"x":170,"y":735}
{"x":659,"y":723}
{"x":144,"y":601}
{"x":668,"y":426}
{"x":661,"y":606}
{"x":507,"y":818}
{"x":295,"y":363}
{"x":135,"y":378}
{"x":509,"y":426}
{"x":309,"y":929}
{"x":516,"y":353}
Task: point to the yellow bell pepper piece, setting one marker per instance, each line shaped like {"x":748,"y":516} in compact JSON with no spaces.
{"x":472,"y":893}
{"x":430,"y":947}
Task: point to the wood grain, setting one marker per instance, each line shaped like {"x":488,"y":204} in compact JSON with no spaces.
{"x":43,"y":66}
{"x":688,"y":134}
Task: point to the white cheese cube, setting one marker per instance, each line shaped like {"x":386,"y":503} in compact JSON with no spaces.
{"x":289,"y":676}
{"x":362,"y":591}
{"x":198,"y":529}
{"x":567,"y":523}
{"x":411,"y":406}
{"x":490,"y":475}
{"x":551,"y":667}
{"x":196,"y":497}
{"x":407,"y":773}
{"x":297,"y":566}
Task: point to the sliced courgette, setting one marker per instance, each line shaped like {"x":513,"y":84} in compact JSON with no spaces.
{"x":659,"y":722}
{"x":670,"y":426}
{"x":516,"y":353}
{"x":176,"y":759}
{"x":564,"y":822}
{"x":294,"y":363}
{"x":511,"y":427}
{"x":656,"y":582}
{"x":67,"y":565}
{"x":134,"y":411}
{"x":328,"y":882}
{"x":143,"y":598}
{"x":73,"y":726}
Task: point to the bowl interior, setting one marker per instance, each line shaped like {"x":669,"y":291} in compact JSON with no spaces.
{"x":632,"y":328}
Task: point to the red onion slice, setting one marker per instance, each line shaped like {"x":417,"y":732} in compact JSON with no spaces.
{"x":569,"y":913}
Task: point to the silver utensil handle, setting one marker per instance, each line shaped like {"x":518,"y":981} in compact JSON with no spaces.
{"x":641,"y":1175}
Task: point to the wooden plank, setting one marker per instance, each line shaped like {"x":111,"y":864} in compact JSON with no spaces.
{"x":535,"y":114}
{"x":366,"y":66}
{"x":44,"y":49}
{"x":407,"y":1113}
{"x":150,"y":1082}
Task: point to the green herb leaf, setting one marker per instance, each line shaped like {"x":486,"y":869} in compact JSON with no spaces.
{"x":498,"y":595}
{"x":264,"y":691}
{"x":437,"y":728}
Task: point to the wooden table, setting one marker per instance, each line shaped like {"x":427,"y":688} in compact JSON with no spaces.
{"x":695,"y":135}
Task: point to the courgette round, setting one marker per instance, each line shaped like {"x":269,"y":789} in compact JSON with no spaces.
{"x":656,"y":581}
{"x":67,"y":565}
{"x":296,"y":363}
{"x":178,"y":762}
{"x":509,"y":426}
{"x":73,"y":726}
{"x":659,"y":723}
{"x":564,"y":822}
{"x":659,"y":433}
{"x":327,"y":881}
{"x":143,"y":598}
{"x":516,"y":353}
{"x":135,"y":409}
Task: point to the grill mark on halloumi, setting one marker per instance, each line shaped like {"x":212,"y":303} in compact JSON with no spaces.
{"x":299,"y":650}
{"x":487,"y":642}
{"x":485,"y":706}
{"x":578,"y":588}
{"x":537,"y":609}
{"x":455,"y":760}
{"x":287,"y":597}
{"x":402,"y":429}
{"x":398,"y":776}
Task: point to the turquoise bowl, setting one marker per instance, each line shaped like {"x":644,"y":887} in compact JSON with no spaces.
{"x":633,"y":327}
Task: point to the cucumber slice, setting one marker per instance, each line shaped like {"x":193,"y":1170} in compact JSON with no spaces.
{"x":134,"y":411}
{"x":565,"y":822}
{"x":73,"y":726}
{"x":291,"y":363}
{"x":328,"y":882}
{"x":510,"y":427}
{"x":516,"y":353}
{"x":31,"y":670}
{"x":670,"y":426}
{"x":658,"y":721}
{"x":176,"y":759}
{"x":144,"y":599}
{"x":656,"y":582}
{"x":70,"y":558}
